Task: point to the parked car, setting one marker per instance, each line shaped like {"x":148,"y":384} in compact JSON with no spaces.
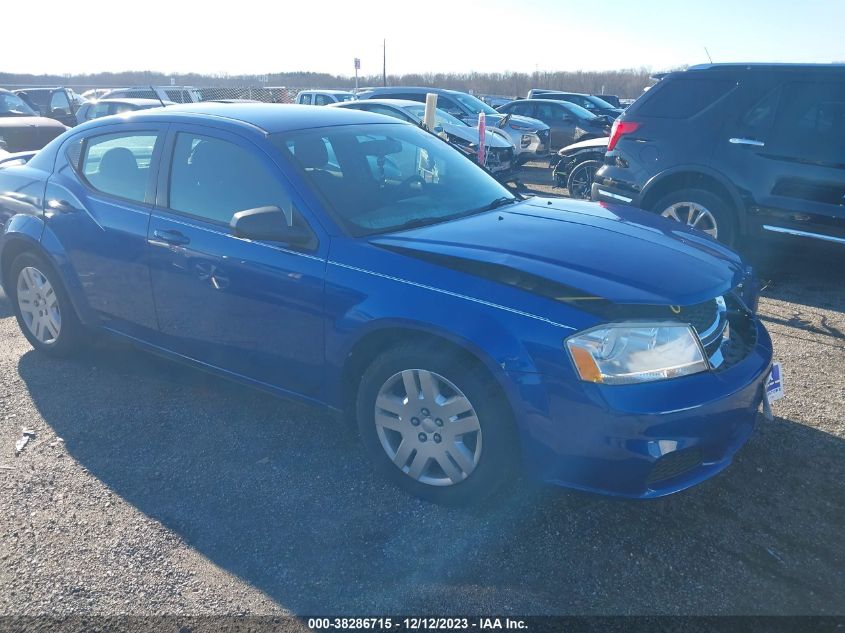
{"x":499,"y":157}
{"x":95,"y":93}
{"x":577,"y":165}
{"x":529,"y":136}
{"x":736,"y":150}
{"x":613,"y":100}
{"x":324,"y":97}
{"x":588,"y":102}
{"x":174,"y":94}
{"x":568,"y":122}
{"x":467,"y":331}
{"x":495,"y":101}
{"x":105,"y":107}
{"x":21,"y":127}
{"x":56,"y":103}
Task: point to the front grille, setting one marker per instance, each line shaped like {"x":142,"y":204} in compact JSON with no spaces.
{"x":674,"y":464}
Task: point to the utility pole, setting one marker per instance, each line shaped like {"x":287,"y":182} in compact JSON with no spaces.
{"x":357,"y":67}
{"x":384,"y":63}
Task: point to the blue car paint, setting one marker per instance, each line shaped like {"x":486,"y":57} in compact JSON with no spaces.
{"x":593,"y":437}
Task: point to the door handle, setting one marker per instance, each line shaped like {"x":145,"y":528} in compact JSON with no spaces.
{"x":171,"y":236}
{"x":746,"y":141}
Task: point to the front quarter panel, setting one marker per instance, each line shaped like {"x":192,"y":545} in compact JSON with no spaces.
{"x":511,"y":332}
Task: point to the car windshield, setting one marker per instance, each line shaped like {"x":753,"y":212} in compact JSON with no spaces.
{"x":578,"y":111}
{"x":379,"y":178}
{"x":13,"y":105}
{"x":473,"y":104}
{"x":598,"y":103}
{"x":441,"y":117}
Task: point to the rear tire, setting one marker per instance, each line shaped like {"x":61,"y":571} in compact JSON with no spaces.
{"x":449,"y":437}
{"x":700,"y":209}
{"x":42,"y":306}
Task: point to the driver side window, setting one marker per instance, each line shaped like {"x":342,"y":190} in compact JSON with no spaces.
{"x":213,"y":179}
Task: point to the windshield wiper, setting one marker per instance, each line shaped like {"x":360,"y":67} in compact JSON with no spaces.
{"x":500,"y":202}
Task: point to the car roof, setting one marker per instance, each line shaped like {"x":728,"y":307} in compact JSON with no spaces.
{"x":390,"y":89}
{"x":391,"y":102}
{"x":269,"y":118}
{"x":767,"y":66}
{"x":132,"y":101}
{"x":328,"y":91}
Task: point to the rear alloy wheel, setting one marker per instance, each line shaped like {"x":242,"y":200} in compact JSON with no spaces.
{"x":42,"y":307}
{"x":580,"y":181}
{"x":435,"y":425}
{"x":699,"y":209}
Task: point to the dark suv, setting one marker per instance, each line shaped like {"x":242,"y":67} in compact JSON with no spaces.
{"x":736,"y":150}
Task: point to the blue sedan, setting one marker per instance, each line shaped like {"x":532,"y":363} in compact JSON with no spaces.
{"x":349,"y":260}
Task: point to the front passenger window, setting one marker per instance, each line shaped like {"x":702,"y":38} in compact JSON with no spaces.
{"x":213,"y":179}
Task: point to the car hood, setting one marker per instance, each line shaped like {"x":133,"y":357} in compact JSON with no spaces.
{"x":493,"y":119}
{"x":579,"y":252}
{"x":592,"y":143}
{"x":470,"y":134}
{"x":23,"y":122}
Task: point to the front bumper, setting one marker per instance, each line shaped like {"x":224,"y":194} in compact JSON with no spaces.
{"x":641,"y":441}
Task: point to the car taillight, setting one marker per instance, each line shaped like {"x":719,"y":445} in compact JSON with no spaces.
{"x":620,"y":129}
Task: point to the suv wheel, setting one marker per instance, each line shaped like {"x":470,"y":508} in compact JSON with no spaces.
{"x":699,"y":209}
{"x":42,"y":307}
{"x":435,"y":426}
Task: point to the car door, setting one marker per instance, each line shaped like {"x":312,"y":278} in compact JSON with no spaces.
{"x":60,"y":108}
{"x":98,"y":203}
{"x":788,"y":150}
{"x":560,"y":122}
{"x":252,"y":308}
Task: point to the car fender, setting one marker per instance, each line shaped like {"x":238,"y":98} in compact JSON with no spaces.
{"x":35,"y":233}
{"x":703,"y":170}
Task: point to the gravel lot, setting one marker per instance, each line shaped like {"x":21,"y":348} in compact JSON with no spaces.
{"x":155,"y":489}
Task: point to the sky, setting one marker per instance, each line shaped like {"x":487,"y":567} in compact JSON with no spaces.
{"x":257,"y":37}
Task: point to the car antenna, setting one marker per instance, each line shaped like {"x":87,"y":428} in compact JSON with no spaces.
{"x":708,"y":54}
{"x":158,"y":96}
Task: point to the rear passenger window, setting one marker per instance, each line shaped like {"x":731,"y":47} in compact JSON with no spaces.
{"x":305,"y":99}
{"x":119,"y":164}
{"x":810,"y":122}
{"x":213,"y":179}
{"x":682,"y":98}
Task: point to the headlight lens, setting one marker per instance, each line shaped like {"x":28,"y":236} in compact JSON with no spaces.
{"x":629,"y":353}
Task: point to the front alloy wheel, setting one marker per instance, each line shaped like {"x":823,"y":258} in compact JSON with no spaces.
{"x":428,"y":428}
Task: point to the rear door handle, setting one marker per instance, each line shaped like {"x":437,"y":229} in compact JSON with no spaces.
{"x":746,"y":141}
{"x":171,"y":236}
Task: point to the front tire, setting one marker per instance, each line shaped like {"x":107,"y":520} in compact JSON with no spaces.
{"x":42,"y":306}
{"x":699,"y":209}
{"x":580,"y":181}
{"x":436,"y":425}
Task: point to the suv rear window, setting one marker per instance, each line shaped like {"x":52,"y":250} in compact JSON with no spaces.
{"x":682,"y":98}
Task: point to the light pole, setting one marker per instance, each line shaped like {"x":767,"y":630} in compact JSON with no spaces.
{"x":357,"y":68}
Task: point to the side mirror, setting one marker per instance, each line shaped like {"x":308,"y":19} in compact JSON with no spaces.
{"x":269,"y":224}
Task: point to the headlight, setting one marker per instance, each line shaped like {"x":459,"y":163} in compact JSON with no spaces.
{"x":627,"y":353}
{"x":522,"y":127}
{"x":525,"y":141}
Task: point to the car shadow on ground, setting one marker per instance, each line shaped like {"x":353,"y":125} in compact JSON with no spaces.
{"x":283,"y":497}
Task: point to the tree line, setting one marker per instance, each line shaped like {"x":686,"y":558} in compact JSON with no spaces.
{"x":624,"y":83}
